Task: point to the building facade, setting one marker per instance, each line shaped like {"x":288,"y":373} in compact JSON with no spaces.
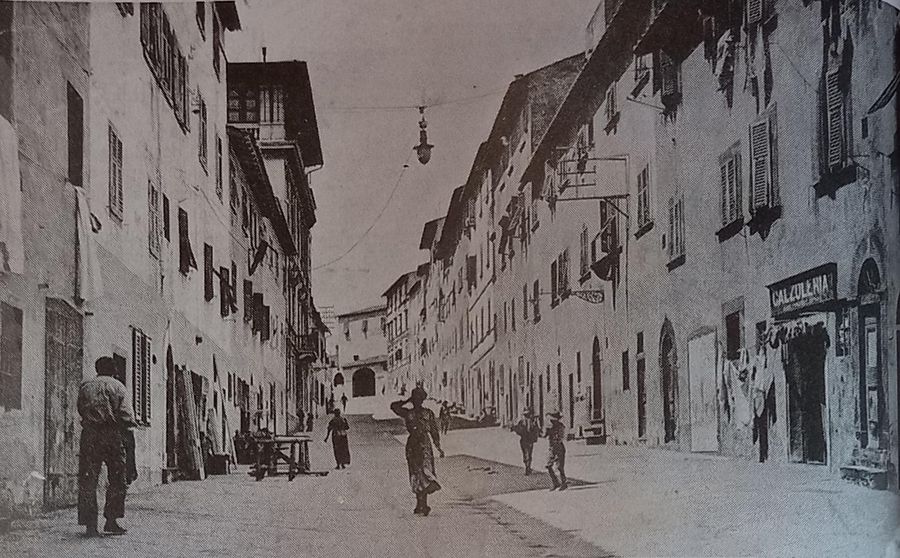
{"x":361,"y":350}
{"x":155,"y":210}
{"x":726,"y":195}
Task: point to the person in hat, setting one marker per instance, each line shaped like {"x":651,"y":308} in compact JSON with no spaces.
{"x":105,"y":415}
{"x":444,"y":417}
{"x":528,"y":430}
{"x":556,"y":435}
{"x":422,"y":428}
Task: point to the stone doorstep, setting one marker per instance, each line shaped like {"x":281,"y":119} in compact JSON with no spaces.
{"x":870,"y":477}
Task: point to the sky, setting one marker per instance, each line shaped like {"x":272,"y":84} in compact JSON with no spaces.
{"x":391,"y":53}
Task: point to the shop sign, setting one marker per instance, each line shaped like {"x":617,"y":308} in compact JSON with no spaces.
{"x":807,"y":290}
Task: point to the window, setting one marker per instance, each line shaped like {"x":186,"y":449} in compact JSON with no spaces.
{"x":217,"y":45}
{"x":10,"y":357}
{"x":219,"y":167}
{"x":754,"y":11}
{"x":248,"y":301}
{"x":116,"y":201}
{"x":201,"y":19}
{"x":676,"y":228}
{"x":763,"y":164}
{"x":585,"y":268}
{"x":271,"y":104}
{"x":563,"y":275}
{"x":730,"y":182}
{"x":525,"y":302}
{"x":536,"y":300}
{"x":186,"y":260}
{"x":125,"y":8}
{"x":75,"y":120}
{"x":733,"y":336}
{"x":626,"y":375}
{"x":513,"y":312}
{"x":612,"y":110}
{"x":365,"y":329}
{"x":165,"y":218}
{"x":578,"y":366}
{"x":643,"y":199}
{"x":554,"y":284}
{"x":208,"y":291}
{"x":243,"y":104}
{"x":641,"y":74}
{"x":201,"y":132}
{"x":167,"y":63}
{"x":140,"y":376}
{"x":347,"y":330}
{"x":153,"y":220}
{"x":669,"y":81}
{"x":232,"y":294}
{"x":225,"y":302}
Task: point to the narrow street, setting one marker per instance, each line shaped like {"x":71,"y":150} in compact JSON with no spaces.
{"x":365,"y":510}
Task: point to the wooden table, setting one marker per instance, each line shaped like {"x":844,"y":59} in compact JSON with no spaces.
{"x":293,"y":451}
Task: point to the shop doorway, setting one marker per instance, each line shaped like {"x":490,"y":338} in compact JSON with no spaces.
{"x":871,"y":387}
{"x":171,"y":417}
{"x":338,"y":379}
{"x":571,"y":401}
{"x":805,"y":375}
{"x":668,"y":363}
{"x":597,"y":374}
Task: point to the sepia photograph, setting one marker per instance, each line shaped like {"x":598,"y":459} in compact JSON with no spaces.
{"x":450,"y":278}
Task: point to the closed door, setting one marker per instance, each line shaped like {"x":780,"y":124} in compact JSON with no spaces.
{"x":63,"y":375}
{"x":704,"y":405}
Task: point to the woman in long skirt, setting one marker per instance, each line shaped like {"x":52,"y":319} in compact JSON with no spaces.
{"x":422,"y":427}
{"x":337,"y":429}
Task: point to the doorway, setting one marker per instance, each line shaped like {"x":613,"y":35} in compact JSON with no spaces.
{"x":871,"y":386}
{"x":668,"y":360}
{"x":364,"y":383}
{"x":805,"y":372}
{"x":571,"y":401}
{"x":171,"y":417}
{"x":63,"y":375}
{"x":597,"y":373}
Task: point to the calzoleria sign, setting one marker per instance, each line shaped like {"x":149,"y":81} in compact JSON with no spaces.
{"x":807,"y":290}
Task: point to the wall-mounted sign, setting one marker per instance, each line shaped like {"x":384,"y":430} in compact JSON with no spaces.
{"x":806,"y":290}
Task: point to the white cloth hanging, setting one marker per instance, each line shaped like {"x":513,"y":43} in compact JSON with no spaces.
{"x":12,"y":251}
{"x":90,"y":280}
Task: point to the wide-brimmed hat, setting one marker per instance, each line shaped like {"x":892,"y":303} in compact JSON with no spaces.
{"x":419,"y":393}
{"x":555,"y":414}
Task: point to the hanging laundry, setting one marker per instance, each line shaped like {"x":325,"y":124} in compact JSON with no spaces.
{"x":741,"y":391}
{"x":90,"y":279}
{"x":12,"y":252}
{"x":763,"y":378}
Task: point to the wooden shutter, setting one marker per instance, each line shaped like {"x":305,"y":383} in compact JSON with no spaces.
{"x":248,"y":301}
{"x":137,"y":380}
{"x":185,"y":253}
{"x":234,"y":279}
{"x":257,"y":312}
{"x":669,"y":77}
{"x":224,"y":291}
{"x":153,"y":224}
{"x":754,"y":11}
{"x":760,"y":163}
{"x":671,"y":227}
{"x":145,"y":378}
{"x":834,"y":119}
{"x":554,"y":280}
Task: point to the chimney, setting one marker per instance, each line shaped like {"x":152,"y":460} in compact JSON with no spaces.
{"x":264,"y":53}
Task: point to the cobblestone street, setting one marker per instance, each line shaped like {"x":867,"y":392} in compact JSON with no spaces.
{"x":365,"y":510}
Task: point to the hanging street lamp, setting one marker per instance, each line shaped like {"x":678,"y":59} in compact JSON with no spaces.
{"x":423,"y":149}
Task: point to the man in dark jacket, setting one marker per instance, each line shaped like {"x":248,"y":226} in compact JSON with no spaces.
{"x":105,"y":414}
{"x":556,"y":456}
{"x":529,"y":430}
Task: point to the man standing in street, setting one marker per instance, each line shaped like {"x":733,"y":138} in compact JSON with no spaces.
{"x":344,"y":401}
{"x":556,"y":435}
{"x":105,"y":415}
{"x":528,"y":430}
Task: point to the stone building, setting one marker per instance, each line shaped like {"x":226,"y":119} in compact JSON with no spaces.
{"x":361,"y":349}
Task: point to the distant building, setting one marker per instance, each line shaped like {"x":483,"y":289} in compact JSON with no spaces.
{"x":361,"y":349}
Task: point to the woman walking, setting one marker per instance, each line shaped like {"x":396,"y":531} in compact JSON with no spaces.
{"x":422,"y":427}
{"x":337,"y":429}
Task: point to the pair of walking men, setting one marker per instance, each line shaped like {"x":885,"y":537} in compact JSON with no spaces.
{"x":529,"y":429}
